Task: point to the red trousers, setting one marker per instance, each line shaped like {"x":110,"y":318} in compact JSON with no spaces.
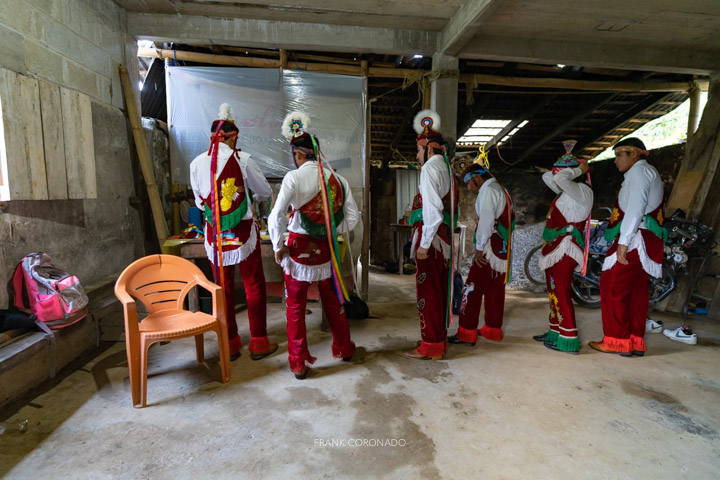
{"x":253,"y":278}
{"x":296,"y":298}
{"x":482,"y":281}
{"x":624,"y":300}
{"x":559,"y":279}
{"x":431,"y":283}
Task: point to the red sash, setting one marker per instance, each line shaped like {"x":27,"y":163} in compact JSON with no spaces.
{"x":308,"y":250}
{"x":312,"y":214}
{"x":233,"y":207}
{"x":654,"y":243}
{"x":443,"y":230}
{"x":556,"y":221}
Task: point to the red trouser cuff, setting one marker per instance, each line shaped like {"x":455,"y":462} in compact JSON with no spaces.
{"x":467,"y":335}
{"x":491,"y":333}
{"x":620,"y":345}
{"x":298,"y":362}
{"x":259,"y":344}
{"x":638,"y":343}
{"x":345,"y":351}
{"x":432,"y":349}
{"x":235,"y":344}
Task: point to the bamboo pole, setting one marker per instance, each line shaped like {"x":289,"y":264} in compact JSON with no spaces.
{"x":384,"y":72}
{"x":609,"y":86}
{"x":365,"y":253}
{"x":158,"y":214}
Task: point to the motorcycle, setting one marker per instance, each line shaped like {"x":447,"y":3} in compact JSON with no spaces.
{"x":686,"y":240}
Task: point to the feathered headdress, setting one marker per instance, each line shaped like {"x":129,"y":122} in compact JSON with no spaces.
{"x":225,"y":117}
{"x":426,"y":124}
{"x":295,"y":125}
{"x":568,"y":160}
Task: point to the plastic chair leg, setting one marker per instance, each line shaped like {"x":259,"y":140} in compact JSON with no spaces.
{"x":134,"y":374}
{"x":143,"y":372}
{"x":199,"y":348}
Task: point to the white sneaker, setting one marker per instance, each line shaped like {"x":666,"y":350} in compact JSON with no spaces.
{"x":681,"y":334}
{"x":653,"y":326}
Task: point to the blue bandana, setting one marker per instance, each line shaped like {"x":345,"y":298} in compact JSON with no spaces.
{"x":475,"y":173}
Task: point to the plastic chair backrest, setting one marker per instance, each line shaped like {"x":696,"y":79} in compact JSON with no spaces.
{"x":160,"y":282}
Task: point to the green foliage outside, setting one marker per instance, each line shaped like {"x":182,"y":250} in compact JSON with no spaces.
{"x":669,"y":129}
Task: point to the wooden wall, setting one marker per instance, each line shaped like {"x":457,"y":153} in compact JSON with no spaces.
{"x":48,"y":140}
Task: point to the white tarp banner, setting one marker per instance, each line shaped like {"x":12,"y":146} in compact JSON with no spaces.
{"x":260,"y":98}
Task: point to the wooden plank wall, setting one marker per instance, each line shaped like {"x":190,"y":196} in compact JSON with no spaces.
{"x":49,"y":141}
{"x":20,"y":97}
{"x":54,"y":141}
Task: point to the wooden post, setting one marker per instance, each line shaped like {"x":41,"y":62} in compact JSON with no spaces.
{"x":365,"y":253}
{"x":694,"y":113}
{"x":161,"y":228}
{"x":283,"y":59}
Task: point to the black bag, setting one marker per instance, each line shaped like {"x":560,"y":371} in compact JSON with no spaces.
{"x":356,"y":308}
{"x":15,"y":319}
{"x":458,"y":285}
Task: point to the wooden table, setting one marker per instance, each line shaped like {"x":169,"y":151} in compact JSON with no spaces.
{"x":274,"y":279}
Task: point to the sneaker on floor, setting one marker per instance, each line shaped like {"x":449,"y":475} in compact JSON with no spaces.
{"x":653,"y":326}
{"x":682,"y":334}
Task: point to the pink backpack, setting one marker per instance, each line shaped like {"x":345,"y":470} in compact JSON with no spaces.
{"x":53,"y":295}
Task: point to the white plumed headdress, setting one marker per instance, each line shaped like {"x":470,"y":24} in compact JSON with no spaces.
{"x":224,"y":113}
{"x":295,"y":124}
{"x":427,"y":124}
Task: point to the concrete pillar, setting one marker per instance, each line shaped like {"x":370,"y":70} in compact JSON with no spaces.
{"x":444,"y":96}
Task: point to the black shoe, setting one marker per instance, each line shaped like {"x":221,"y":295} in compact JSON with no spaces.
{"x":454,"y":339}
{"x":627,"y":354}
{"x":235,"y":356}
{"x":554,"y":347}
{"x":260,"y":355}
{"x":540,"y":338}
{"x":638,"y":353}
{"x":347,"y":359}
{"x":301,"y":375}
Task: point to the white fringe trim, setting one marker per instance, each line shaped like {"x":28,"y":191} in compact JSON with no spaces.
{"x":497,"y":263}
{"x":565,"y":247}
{"x":652,"y":268}
{"x":233,"y":257}
{"x":437,"y":243}
{"x":306,"y":273}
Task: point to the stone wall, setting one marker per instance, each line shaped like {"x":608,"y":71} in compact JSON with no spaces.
{"x":77,"y":44}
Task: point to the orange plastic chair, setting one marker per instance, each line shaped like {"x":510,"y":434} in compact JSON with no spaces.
{"x":161,"y":283}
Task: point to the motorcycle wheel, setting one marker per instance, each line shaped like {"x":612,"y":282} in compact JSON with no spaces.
{"x":584,"y":293}
{"x":532,"y":267}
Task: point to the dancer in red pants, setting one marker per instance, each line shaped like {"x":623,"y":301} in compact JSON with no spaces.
{"x":564,"y":247}
{"x":487,"y":276}
{"x":432,"y":220}
{"x":306,"y":254}
{"x":235,"y":174}
{"x":637,"y":235}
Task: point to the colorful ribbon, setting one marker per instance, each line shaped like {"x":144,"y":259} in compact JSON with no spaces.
{"x":336,"y":271}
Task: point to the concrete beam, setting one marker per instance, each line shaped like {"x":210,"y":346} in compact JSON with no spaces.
{"x":628,"y":57}
{"x":270,"y":34}
{"x":462,"y":26}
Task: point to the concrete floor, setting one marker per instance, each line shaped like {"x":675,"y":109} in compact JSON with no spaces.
{"x":510,"y":410}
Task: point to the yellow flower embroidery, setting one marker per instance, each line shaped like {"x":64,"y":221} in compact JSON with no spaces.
{"x":228,"y":193}
{"x":615,"y":214}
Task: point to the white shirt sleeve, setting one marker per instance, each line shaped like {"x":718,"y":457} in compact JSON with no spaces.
{"x":564,"y":180}
{"x":352,"y":215}
{"x":548,"y":178}
{"x":486,"y":207}
{"x":432,"y":205}
{"x":256,"y":181}
{"x":277,"y":220}
{"x":636,"y":189}
{"x":195,"y":183}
